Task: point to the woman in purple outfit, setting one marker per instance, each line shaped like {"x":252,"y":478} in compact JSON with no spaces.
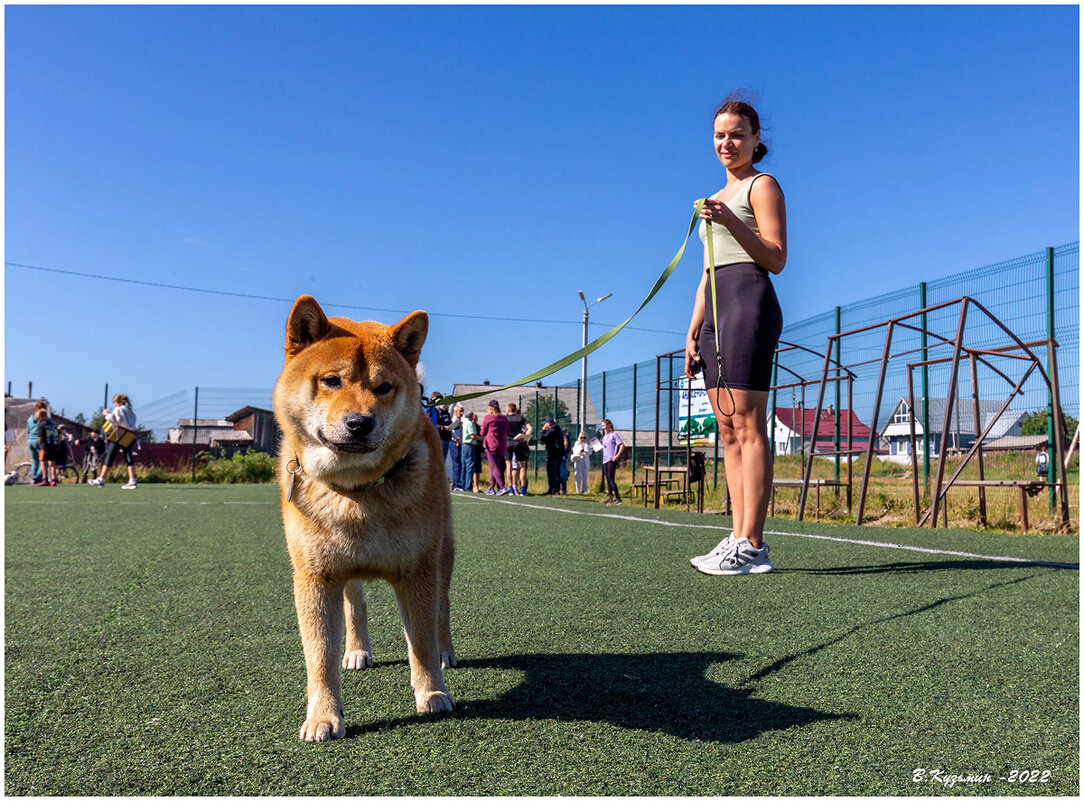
{"x":495,"y":441}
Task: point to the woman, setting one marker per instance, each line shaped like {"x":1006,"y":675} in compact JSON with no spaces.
{"x":749,"y":238}
{"x":612,"y":448}
{"x":581,"y":460}
{"x":495,"y":441}
{"x":33,"y":444}
{"x":122,"y":415}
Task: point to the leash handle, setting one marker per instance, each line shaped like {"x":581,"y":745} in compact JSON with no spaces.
{"x":594,"y":344}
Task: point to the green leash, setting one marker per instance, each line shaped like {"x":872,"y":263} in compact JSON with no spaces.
{"x":715,"y":319}
{"x":593,"y":345}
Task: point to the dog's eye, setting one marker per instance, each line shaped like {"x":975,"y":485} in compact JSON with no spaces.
{"x":331,"y":381}
{"x":383,"y":389}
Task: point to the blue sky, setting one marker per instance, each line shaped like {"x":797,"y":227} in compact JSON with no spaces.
{"x":489,"y":162}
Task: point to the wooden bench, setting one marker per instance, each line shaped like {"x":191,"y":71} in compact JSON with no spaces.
{"x":1025,"y":488}
{"x":796,"y":483}
{"x":647,"y":486}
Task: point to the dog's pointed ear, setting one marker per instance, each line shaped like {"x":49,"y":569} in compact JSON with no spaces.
{"x":306,"y":325}
{"x":409,"y":335}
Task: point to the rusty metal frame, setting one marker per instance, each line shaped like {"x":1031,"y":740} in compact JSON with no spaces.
{"x":844,"y":373}
{"x":1018,"y":349}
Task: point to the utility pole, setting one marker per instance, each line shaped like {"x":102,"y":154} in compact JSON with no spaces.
{"x":583,"y":362}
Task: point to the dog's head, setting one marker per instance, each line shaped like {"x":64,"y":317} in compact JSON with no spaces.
{"x":348,"y":395}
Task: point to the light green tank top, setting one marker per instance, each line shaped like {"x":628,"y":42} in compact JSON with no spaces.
{"x":727,"y":249}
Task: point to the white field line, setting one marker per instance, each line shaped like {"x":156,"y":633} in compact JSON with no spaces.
{"x":871,"y":543}
{"x":146,"y":503}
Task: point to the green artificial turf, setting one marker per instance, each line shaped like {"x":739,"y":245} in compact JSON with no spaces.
{"x":152,"y":648}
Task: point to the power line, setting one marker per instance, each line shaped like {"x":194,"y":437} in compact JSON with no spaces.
{"x":248,"y":296}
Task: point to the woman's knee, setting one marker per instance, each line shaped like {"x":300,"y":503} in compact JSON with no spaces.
{"x":727,"y":434}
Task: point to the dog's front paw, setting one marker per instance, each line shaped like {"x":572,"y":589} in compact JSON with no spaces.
{"x":357,"y":660}
{"x":318,"y":730}
{"x":447,"y":659}
{"x":430,"y":703}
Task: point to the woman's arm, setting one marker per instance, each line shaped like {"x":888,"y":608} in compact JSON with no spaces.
{"x":769,"y":249}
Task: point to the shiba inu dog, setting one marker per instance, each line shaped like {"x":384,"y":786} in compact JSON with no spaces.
{"x":364,"y":496}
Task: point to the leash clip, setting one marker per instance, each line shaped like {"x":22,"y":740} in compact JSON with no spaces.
{"x":293,"y":476}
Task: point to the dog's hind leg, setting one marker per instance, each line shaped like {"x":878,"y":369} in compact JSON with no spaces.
{"x":359,"y":652}
{"x":418,"y":605}
{"x":444,"y":613}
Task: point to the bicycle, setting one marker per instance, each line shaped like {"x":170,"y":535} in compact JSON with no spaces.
{"x":92,"y":463}
{"x":21,"y":473}
{"x":69,"y":472}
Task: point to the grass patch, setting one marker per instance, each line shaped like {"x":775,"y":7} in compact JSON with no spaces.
{"x":152,"y":648}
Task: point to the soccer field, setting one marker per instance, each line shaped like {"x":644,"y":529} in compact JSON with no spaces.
{"x":152,"y":648}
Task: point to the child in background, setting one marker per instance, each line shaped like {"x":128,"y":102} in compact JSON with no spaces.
{"x":63,"y":450}
{"x":95,"y":452}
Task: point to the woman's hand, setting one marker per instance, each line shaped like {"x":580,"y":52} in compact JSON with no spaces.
{"x":716,"y":211}
{"x":692,"y":353}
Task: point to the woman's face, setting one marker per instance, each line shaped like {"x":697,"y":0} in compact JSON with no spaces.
{"x":734,"y":140}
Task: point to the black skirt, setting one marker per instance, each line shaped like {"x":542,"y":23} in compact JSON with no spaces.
{"x":750,"y":322}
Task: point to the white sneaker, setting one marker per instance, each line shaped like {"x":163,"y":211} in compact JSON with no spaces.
{"x":724,"y":545}
{"x":97,"y":482}
{"x":744,"y":558}
{"x":129,"y":485}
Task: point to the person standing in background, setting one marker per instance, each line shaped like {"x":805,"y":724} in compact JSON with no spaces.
{"x":612,"y":449}
{"x":495,"y":440}
{"x":553,"y":439}
{"x":581,"y":461}
{"x":519,"y":449}
{"x":122,"y":415}
{"x":32,"y":443}
{"x":471,"y":441}
{"x":453,"y":462}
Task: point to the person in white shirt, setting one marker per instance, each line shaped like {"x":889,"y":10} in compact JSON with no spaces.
{"x":122,"y":415}
{"x":581,"y":462}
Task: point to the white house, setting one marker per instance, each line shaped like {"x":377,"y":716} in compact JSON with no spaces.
{"x":896,"y":436}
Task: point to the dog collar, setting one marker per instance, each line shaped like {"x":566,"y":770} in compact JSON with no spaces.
{"x":336,"y":487}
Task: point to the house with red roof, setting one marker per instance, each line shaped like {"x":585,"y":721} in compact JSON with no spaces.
{"x":794,"y":431}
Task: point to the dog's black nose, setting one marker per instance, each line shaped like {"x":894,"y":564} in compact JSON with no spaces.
{"x":359,"y":425}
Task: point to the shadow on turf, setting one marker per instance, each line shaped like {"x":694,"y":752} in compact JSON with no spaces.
{"x":922,"y":567}
{"x":651,"y":692}
{"x":779,"y":664}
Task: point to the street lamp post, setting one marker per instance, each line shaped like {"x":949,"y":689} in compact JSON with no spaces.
{"x":583,"y":361}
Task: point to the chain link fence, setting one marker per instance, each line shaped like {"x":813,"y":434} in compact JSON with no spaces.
{"x":1034,"y":296}
{"x":1015,"y":292}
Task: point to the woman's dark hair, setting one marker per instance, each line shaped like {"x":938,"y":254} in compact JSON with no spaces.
{"x":734,"y":105}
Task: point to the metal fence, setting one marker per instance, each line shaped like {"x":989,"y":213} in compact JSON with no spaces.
{"x":1032,"y":295}
{"x":1016,"y":292}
